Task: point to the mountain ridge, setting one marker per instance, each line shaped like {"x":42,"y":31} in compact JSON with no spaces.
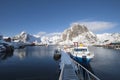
{"x":75,"y":33}
{"x":25,"y":37}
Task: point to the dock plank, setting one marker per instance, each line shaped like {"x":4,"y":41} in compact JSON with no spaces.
{"x":69,"y":73}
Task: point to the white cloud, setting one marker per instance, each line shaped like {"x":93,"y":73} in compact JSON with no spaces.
{"x":97,"y":25}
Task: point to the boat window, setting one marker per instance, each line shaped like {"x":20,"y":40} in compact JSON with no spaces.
{"x":80,"y":49}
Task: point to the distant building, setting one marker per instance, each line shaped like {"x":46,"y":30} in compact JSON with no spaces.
{"x":115,"y":45}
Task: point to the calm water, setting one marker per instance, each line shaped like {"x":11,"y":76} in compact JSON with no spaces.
{"x":37,"y":63}
{"x":106,"y":64}
{"x":31,"y":63}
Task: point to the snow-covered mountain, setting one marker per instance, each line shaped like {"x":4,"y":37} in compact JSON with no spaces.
{"x":78,"y":33}
{"x":40,"y":38}
{"x":107,"y":38}
{"x":51,"y":38}
{"x":75,"y":33}
{"x":25,"y":37}
{"x":54,"y":37}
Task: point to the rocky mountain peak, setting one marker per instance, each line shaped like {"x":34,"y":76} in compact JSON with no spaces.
{"x":78,"y":30}
{"x":25,"y":37}
{"x":23,"y":33}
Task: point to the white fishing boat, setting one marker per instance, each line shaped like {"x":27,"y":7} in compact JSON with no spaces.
{"x":82,"y":54}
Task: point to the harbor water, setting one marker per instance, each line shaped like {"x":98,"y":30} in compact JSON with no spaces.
{"x":106,"y":63}
{"x":38,"y":63}
{"x":30,"y":63}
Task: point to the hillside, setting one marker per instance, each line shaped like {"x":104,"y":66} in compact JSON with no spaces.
{"x":78,"y":33}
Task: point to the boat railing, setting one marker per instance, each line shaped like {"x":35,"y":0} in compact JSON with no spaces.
{"x":83,"y":73}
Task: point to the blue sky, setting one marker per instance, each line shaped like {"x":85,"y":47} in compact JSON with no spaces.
{"x":34,"y":16}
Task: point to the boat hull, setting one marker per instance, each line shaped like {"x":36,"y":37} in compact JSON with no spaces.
{"x":83,"y":60}
{"x":81,"y":54}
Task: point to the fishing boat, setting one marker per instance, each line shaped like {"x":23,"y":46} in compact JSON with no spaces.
{"x":82,"y":54}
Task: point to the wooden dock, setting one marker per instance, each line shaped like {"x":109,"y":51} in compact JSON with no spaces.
{"x":68,"y":73}
{"x":67,"y":69}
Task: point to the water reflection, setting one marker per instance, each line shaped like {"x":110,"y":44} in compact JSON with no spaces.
{"x":22,"y":53}
{"x":4,"y":56}
{"x":31,"y":63}
{"x":34,"y":51}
